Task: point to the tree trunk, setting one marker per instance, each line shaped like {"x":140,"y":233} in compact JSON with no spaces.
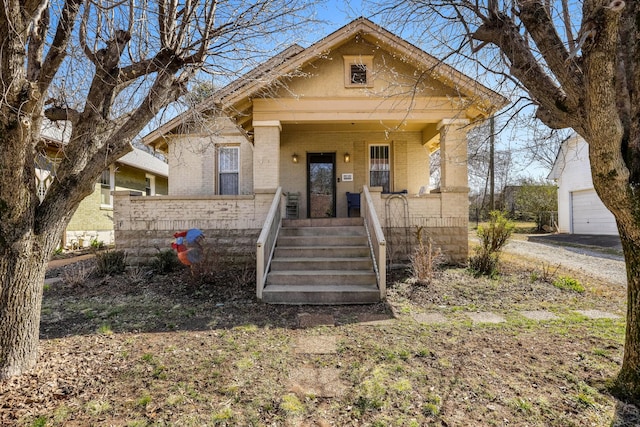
{"x":22,"y":269}
{"x":627,"y":386}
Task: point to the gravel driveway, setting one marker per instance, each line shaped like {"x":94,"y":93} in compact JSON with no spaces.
{"x":607,"y":267}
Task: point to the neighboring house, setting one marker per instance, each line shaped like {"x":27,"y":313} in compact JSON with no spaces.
{"x":93,"y":220}
{"x":360,"y":111}
{"x":580,"y":210}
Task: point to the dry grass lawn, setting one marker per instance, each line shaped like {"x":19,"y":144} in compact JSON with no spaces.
{"x":137,"y":350}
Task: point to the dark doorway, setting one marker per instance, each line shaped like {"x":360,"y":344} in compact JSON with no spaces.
{"x":321,"y":185}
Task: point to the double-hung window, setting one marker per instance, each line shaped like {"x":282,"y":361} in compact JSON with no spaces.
{"x":107,"y":185}
{"x":379,"y":167}
{"x":228,"y":170}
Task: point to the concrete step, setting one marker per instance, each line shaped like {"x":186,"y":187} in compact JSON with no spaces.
{"x":322,"y":222}
{"x":322,"y":251}
{"x":347,"y":230}
{"x":322,"y":261}
{"x":319,"y":241}
{"x":318,"y":263}
{"x":321,"y":294}
{"x":322,"y":277}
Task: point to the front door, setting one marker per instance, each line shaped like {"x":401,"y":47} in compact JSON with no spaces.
{"x":321,"y":185}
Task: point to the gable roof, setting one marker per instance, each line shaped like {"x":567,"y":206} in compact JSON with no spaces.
{"x":236,"y":96}
{"x":561,"y":156}
{"x":58,"y":134}
{"x":147,"y":162}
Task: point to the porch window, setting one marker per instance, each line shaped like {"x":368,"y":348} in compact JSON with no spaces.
{"x":107,"y":184}
{"x":228,"y":170}
{"x":150,"y":185}
{"x":45,"y":172}
{"x":379,"y":167}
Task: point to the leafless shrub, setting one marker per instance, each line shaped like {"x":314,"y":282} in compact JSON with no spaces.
{"x":425,"y":259}
{"x":76,"y":274}
{"x":549,"y":271}
{"x":207,"y":269}
{"x":137,"y":274}
{"x":111,"y":263}
{"x":246,"y":275}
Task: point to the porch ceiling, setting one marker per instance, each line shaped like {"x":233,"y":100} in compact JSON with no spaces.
{"x":355,"y":126}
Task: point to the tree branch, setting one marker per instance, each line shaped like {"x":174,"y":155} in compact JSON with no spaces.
{"x":533,"y":14}
{"x":502,"y":31}
{"x":61,"y":114}
{"x":39,"y":28}
{"x":58,"y":50}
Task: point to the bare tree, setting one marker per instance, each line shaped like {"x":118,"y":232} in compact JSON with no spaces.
{"x":578,"y":65}
{"x":479,"y":153}
{"x":105,"y":68}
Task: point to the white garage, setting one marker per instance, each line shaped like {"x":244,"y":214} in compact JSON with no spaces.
{"x":580,"y":210}
{"x":589,"y":215}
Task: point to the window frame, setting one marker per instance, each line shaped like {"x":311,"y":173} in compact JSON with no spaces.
{"x":111,"y":185}
{"x":365,"y":61}
{"x":220,"y":171}
{"x":149,"y":190}
{"x":388,"y":170}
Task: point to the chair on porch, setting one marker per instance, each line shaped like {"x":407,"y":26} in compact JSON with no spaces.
{"x":353,"y":202}
{"x":292,"y":205}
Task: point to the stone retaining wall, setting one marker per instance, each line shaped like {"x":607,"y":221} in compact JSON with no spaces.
{"x":452,"y":241}
{"x":231,"y":225}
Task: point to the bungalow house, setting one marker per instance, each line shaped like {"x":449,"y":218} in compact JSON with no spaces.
{"x":580,"y":210}
{"x":93,"y":220}
{"x":317,"y":163}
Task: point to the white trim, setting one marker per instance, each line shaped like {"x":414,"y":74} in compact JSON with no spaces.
{"x":451,"y":122}
{"x":366,"y":61}
{"x":112,"y":188}
{"x":389,"y":150}
{"x":152,"y":184}
{"x":267,"y":123}
{"x":219,"y":170}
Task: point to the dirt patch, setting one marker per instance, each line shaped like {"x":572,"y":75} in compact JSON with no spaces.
{"x":140,"y":349}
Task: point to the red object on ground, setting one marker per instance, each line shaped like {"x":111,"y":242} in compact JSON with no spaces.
{"x":182,"y":256}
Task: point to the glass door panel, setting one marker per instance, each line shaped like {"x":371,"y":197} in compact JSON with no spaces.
{"x":321,"y":185}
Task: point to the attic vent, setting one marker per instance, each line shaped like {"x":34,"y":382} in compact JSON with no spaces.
{"x":358,"y":70}
{"x":358,"y":74}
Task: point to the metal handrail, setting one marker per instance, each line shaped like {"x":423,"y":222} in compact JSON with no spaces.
{"x":267,"y":241}
{"x":377,"y":242}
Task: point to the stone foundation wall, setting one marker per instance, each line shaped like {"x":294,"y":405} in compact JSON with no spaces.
{"x":452,"y":241}
{"x":141,"y":246}
{"x":231,"y":225}
{"x":442,"y":216}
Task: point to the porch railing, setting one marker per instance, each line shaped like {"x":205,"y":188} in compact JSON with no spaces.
{"x":267,"y":241}
{"x":377,"y":242}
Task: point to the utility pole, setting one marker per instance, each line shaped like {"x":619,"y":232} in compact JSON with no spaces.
{"x":492,"y":183}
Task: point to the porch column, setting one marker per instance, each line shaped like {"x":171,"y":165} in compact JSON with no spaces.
{"x":454,"y":188}
{"x":453,"y":156}
{"x":266,"y":155}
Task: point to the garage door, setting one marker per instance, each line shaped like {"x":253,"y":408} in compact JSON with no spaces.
{"x":589,"y":216}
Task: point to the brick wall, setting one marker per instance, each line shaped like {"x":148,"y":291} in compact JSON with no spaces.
{"x":231,"y":224}
{"x":442,"y":216}
{"x":452,"y":241}
{"x":410,"y":161}
{"x":193,"y":160}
